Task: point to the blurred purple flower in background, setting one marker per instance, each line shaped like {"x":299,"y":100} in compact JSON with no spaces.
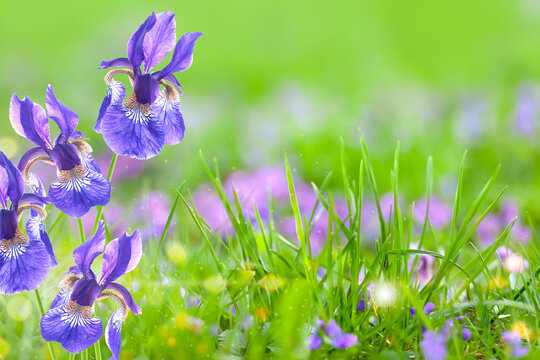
{"x":434,"y":344}
{"x":339,"y":339}
{"x":425,"y":266}
{"x":512,"y":262}
{"x":126,"y":167}
{"x":515,"y":345}
{"x":493,"y":224}
{"x":526,"y":112}
{"x":439,"y":214}
{"x":153,"y":210}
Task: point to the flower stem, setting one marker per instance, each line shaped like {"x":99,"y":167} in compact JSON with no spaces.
{"x":42,"y":312}
{"x":97,"y":349}
{"x":100,"y":208}
{"x":71,"y":356}
{"x":81,"y":230}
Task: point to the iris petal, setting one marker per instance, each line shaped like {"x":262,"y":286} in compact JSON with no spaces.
{"x":126,"y":295}
{"x":30,"y":121}
{"x":74,"y":330}
{"x":85,"y":254}
{"x":116,"y":92}
{"x":121,"y":256}
{"x":160,"y":40}
{"x":76,"y":194}
{"x":23,"y":265}
{"x":134,"y":131}
{"x":66,"y":118}
{"x":135,"y":44}
{"x":113,"y":334}
{"x":167,"y":109}
{"x":15,"y":182}
{"x":183,"y":54}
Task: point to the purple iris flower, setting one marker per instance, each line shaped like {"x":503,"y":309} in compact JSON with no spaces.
{"x":140,"y":126}
{"x":69,"y":320}
{"x":25,"y":260}
{"x":81,"y":184}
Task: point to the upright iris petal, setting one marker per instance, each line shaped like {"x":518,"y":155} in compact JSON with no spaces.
{"x":148,"y":119}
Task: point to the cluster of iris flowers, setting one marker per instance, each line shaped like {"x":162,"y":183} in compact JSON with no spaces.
{"x":137,"y":127}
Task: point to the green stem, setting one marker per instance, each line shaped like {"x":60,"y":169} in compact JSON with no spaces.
{"x":97,"y":349}
{"x":100,"y":208}
{"x":85,"y":354}
{"x":81,"y":230}
{"x":71,"y":356}
{"x":42,"y":312}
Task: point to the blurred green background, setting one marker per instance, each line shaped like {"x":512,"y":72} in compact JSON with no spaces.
{"x":275,"y":76}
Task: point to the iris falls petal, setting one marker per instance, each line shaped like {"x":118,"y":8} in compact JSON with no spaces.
{"x":24,"y":264}
{"x":167,"y":109}
{"x":79,"y":190}
{"x":72,"y":326}
{"x":133,"y":130}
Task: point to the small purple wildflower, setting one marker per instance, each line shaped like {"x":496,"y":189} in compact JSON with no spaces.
{"x":526,"y":112}
{"x":149,"y":118}
{"x":69,"y":320}
{"x":466,"y":333}
{"x":512,"y":262}
{"x":338,"y":339}
{"x":517,"y":350}
{"x":81,"y":184}
{"x":428,"y":308}
{"x":24,"y":261}
{"x":434,"y":345}
{"x":425,"y":266}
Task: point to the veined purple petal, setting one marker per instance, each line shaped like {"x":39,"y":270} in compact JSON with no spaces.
{"x":115,"y":63}
{"x":74,"y":329}
{"x":23,"y":266}
{"x":135,"y":44}
{"x":35,"y":228}
{"x":79,"y":191}
{"x":121,"y":256}
{"x":160,"y":40}
{"x":15,"y":182}
{"x":183,"y":54}
{"x":113,"y":335}
{"x":133,"y":131}
{"x":85,"y":155}
{"x":30,"y":121}
{"x":116,"y":92}
{"x":61,"y":299}
{"x":146,"y":89}
{"x":167,"y":109}
{"x":85,"y":254}
{"x":126,"y":295}
{"x":66,"y":118}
